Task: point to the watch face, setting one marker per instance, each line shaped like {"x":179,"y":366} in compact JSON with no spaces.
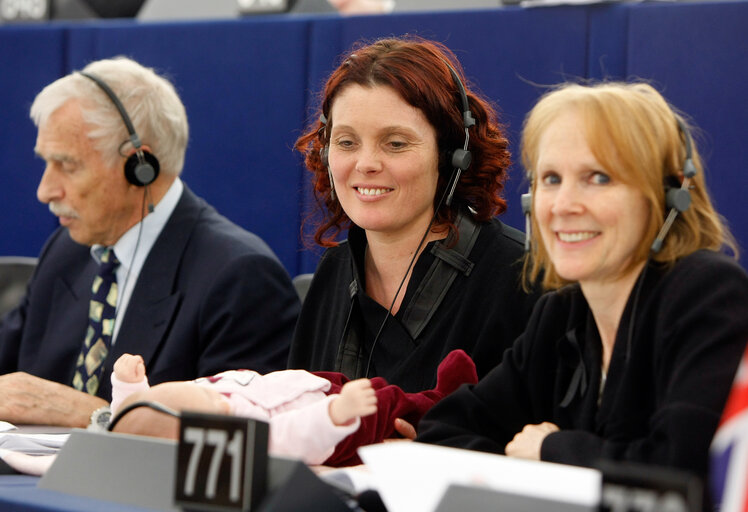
{"x":103,"y":418}
{"x":100,"y":418}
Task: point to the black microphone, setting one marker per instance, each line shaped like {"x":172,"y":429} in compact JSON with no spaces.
{"x":677,"y":200}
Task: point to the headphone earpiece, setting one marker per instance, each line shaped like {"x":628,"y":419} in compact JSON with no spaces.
{"x":461,"y":158}
{"x":142,"y":169}
{"x":526,"y":201}
{"x":324,"y":155}
{"x":676,"y":197}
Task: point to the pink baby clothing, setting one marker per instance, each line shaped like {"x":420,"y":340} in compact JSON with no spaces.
{"x":293,"y":402}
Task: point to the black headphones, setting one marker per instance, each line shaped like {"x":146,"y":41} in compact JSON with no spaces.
{"x":142,"y":167}
{"x":460,"y":157}
{"x":677,"y":198}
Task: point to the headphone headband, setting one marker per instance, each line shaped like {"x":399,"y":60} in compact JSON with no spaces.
{"x":467,"y":116}
{"x":118,"y":104}
{"x":689,"y":169}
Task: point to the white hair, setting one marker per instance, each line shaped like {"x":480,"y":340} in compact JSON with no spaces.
{"x":150,"y":100}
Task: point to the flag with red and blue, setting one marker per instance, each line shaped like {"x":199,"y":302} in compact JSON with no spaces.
{"x":729,"y":450}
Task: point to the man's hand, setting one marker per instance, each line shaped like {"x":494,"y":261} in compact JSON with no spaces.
{"x":29,"y":400}
{"x":526,"y":444}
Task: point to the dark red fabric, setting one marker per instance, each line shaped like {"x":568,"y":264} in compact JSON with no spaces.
{"x":392,"y":403}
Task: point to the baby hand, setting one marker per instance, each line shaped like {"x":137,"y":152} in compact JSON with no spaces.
{"x":357,"y":398}
{"x":129,"y":368}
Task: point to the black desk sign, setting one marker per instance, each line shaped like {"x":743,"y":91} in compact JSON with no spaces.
{"x":629,"y":487}
{"x":221,"y":463}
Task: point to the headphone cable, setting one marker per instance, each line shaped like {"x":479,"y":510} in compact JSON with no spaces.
{"x":407,"y":271}
{"x":129,"y":268}
{"x":151,"y":405}
{"x":446,"y":198}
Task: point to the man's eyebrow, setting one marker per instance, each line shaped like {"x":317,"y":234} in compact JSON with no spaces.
{"x":56,"y":157}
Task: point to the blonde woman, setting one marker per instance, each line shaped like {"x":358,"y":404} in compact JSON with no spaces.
{"x":632,"y":354}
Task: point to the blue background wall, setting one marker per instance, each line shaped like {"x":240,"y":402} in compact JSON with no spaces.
{"x":250,"y":86}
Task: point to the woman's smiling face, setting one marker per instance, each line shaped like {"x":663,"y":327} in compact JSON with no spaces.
{"x":591,"y":224}
{"x":384,"y":160}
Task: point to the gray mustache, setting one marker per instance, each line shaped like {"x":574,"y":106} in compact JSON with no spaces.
{"x":62,"y":211}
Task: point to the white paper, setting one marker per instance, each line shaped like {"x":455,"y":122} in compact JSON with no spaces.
{"x":412,"y":477}
{"x":33,"y":444}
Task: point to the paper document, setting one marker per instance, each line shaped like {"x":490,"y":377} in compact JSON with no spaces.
{"x":33,"y":444}
{"x":412,"y":477}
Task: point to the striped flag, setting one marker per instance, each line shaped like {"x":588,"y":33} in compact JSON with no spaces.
{"x":729,"y":451}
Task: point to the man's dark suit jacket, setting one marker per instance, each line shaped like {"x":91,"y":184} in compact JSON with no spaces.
{"x":210,"y":297}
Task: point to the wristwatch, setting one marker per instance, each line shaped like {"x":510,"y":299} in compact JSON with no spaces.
{"x":100,"y":419}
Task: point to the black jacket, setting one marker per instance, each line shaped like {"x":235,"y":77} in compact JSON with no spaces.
{"x":210,"y":297}
{"x":481,"y":312}
{"x":676,"y":351}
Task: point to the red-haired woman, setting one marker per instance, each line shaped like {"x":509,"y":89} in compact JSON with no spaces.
{"x":424,"y":271}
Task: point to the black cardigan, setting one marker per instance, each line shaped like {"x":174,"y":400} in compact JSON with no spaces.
{"x":667,"y":381}
{"x":480,"y":313}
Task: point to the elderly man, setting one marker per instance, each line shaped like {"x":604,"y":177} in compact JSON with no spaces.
{"x":140,"y":264}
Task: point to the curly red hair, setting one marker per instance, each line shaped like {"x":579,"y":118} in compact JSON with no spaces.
{"x":419,"y":71}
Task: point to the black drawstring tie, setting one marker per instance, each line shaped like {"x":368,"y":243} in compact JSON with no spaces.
{"x":571,"y":355}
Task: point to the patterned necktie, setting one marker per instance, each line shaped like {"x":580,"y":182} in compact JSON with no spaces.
{"x":101,"y":314}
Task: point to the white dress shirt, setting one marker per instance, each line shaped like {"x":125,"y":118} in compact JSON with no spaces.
{"x":133,"y":247}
